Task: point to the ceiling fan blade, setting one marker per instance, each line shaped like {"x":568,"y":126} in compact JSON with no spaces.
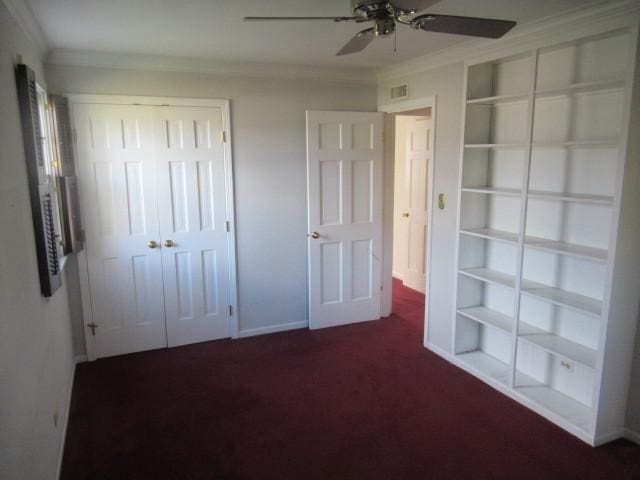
{"x":358,"y":42}
{"x":413,"y":5}
{"x":476,"y":27}
{"x":335,"y":19}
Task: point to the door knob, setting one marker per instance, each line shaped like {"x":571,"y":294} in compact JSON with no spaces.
{"x":314,"y":235}
{"x":169,"y":243}
{"x":152,"y":244}
{"x":405,"y":214}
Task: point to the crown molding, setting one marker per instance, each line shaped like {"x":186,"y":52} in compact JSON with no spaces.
{"x":24,"y":17}
{"x":588,"y":20}
{"x":208,"y":66}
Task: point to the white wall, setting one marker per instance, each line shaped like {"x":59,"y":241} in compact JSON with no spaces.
{"x":268,"y":129}
{"x":445,"y":84}
{"x":400,"y":198}
{"x":36,"y":359}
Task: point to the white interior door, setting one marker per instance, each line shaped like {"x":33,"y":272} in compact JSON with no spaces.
{"x":193,"y":223}
{"x":418,"y":154}
{"x":117,"y":174}
{"x":344,"y":169}
{"x":154,"y":184}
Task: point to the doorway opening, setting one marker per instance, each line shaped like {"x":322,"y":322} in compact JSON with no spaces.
{"x":413,"y":158}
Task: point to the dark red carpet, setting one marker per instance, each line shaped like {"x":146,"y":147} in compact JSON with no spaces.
{"x":359,"y":402}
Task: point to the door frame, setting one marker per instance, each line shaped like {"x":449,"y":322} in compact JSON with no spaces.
{"x":388,"y":179}
{"x":223,"y":104}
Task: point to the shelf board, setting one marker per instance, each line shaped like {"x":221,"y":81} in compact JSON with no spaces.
{"x":563,"y":248}
{"x":497,"y":145}
{"x":498,"y":99}
{"x":574,"y":412}
{"x":510,"y":192}
{"x":489,"y":276}
{"x":604,"y":143}
{"x":486,"y":316}
{"x":486,"y":366}
{"x":557,"y":345}
{"x":570,"y":197}
{"x":613,"y":84}
{"x":491,"y":234}
{"x":563,"y":298}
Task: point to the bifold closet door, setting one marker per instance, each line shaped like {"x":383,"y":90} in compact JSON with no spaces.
{"x":117,"y":174}
{"x":192,"y":206}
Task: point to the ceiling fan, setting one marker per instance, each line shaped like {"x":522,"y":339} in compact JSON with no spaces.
{"x":385,"y":14}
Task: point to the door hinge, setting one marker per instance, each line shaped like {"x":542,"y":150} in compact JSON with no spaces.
{"x":223,"y":136}
{"x":93,"y":327}
{"x":228,"y":226}
{"x":231,"y":310}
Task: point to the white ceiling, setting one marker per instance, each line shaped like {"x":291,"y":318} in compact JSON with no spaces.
{"x":214,"y":30}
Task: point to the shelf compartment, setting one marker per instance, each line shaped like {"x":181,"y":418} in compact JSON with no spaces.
{"x":571,"y":410}
{"x":570,"y":197}
{"x":489,"y":276}
{"x":563,"y":248}
{"x":613,"y":84}
{"x":509,"y":192}
{"x":562,"y":298}
{"x":557,"y":345}
{"x":491,"y":234}
{"x":488,"y":317}
{"x":498,"y":99}
{"x":486,"y":366}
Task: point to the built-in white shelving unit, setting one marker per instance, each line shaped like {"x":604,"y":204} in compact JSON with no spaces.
{"x":539,"y":204}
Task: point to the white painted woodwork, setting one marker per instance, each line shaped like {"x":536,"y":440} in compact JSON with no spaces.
{"x":344,"y":168}
{"x":117,"y":173}
{"x":540,"y":189}
{"x":154,"y":174}
{"x":192,"y":206}
{"x":418,"y":154}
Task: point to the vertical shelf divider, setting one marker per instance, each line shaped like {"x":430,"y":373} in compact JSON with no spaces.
{"x":526,"y":169}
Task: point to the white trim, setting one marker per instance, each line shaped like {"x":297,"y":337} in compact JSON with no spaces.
{"x":24,"y":17}
{"x":632,"y":435}
{"x":407,"y":105}
{"x":282,"y":327}
{"x":80,"y":358}
{"x":164,"y":63}
{"x":77,"y":359}
{"x":224,"y":104}
{"x":397,"y":275}
{"x":583,"y":21}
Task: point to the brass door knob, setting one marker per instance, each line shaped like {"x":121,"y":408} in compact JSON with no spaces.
{"x":405,"y":214}
{"x":169,"y":243}
{"x":314,"y":235}
{"x":152,"y":244}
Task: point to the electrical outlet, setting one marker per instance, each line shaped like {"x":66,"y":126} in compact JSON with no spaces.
{"x":567,"y":365}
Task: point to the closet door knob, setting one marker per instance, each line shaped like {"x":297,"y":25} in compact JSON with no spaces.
{"x":314,"y":235}
{"x":405,"y":214}
{"x":152,"y":244}
{"x":169,"y":243}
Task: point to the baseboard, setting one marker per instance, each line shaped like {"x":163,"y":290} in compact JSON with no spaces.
{"x":77,"y":359}
{"x":397,"y":275}
{"x":440,"y":352}
{"x":80,"y":358}
{"x":632,"y":435}
{"x":282,"y":327}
